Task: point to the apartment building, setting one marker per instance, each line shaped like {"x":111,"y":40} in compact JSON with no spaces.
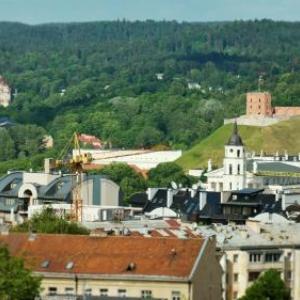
{"x":265,"y":242}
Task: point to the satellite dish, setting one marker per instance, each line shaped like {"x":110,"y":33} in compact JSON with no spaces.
{"x":174,"y":185}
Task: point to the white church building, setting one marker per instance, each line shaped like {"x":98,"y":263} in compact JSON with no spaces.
{"x":244,"y":170}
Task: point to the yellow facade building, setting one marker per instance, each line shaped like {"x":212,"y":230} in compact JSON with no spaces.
{"x":135,"y":267}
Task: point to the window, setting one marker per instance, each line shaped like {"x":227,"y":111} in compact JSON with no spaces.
{"x":52,"y":291}
{"x":176,"y":295}
{"x":252,"y":276}
{"x":88,"y":291}
{"x":255,"y":257}
{"x":238,"y":169}
{"x":235,"y":295}
{"x":272,"y":257}
{"x":122,"y":293}
{"x":230,"y":169}
{"x":146,"y":294}
{"x":289,"y":255}
{"x":235,"y":277}
{"x":69,"y":291}
{"x":289,"y":275}
{"x":235,"y":258}
{"x":103,"y":292}
{"x":238,"y":153}
{"x":230,"y":185}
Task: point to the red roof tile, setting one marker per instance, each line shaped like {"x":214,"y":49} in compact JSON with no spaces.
{"x":106,"y":255}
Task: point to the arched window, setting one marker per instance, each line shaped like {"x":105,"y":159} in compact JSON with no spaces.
{"x":238,"y":153}
{"x":230,"y":169}
{"x":238,"y":169}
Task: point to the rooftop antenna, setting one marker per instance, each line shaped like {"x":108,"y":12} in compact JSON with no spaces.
{"x":260,"y":82}
{"x":174,"y":185}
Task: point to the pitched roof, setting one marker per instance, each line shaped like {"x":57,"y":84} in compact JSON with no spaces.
{"x":235,"y":139}
{"x":152,"y":256}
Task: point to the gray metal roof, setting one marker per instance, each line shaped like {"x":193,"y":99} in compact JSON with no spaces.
{"x":273,"y":166}
{"x":235,"y":139}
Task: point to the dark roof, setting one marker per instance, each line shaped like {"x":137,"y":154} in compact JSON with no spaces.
{"x":186,"y":205}
{"x":235,"y":139}
{"x":5,"y":122}
{"x":138,"y":199}
{"x":247,"y":191}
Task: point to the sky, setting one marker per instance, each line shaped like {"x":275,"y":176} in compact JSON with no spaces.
{"x":48,"y":11}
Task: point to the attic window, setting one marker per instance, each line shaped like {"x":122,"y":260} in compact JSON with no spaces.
{"x":45,"y":264}
{"x":131,"y":266}
{"x":69,"y":265}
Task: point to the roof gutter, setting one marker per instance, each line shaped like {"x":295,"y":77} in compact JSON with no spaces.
{"x":114,"y":277}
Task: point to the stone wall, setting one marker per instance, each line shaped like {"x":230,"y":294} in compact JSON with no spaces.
{"x":286,"y":111}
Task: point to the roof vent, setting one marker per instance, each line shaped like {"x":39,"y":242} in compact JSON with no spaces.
{"x":69,"y":265}
{"x":173,"y":252}
{"x":45,"y":264}
{"x":131,"y":266}
{"x":32,"y":237}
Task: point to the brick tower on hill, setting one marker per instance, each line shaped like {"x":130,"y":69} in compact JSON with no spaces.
{"x":259,"y":104}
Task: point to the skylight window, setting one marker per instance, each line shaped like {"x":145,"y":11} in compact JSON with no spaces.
{"x":69,"y":265}
{"x":45,"y":264}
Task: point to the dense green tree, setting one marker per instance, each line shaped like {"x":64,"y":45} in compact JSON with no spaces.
{"x":7,"y":149}
{"x":165,"y":173}
{"x":268,"y":286}
{"x":49,"y":222}
{"x":16,"y":281}
{"x":107,"y":84}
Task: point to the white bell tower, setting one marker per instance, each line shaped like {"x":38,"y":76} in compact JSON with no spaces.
{"x":234,"y":163}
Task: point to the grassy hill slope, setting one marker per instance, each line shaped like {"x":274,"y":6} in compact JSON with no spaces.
{"x":279,"y":137}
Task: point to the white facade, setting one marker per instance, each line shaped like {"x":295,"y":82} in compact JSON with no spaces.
{"x":249,"y":250}
{"x":5,"y":93}
{"x":234,"y":177}
{"x":246,"y":170}
{"x":143,"y":159}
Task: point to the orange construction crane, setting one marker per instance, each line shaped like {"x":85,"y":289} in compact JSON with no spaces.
{"x":74,"y":163}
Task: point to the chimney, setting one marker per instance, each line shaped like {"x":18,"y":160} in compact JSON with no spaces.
{"x":254,"y":167}
{"x":209,"y":165}
{"x":202,"y":199}
{"x":49,"y":164}
{"x":151,"y":193}
{"x":169,"y":197}
{"x":193,"y":192}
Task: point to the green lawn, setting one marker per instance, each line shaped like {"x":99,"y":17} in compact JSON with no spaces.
{"x":279,"y":137}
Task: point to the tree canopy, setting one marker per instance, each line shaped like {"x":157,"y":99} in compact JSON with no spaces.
{"x":166,"y":173}
{"x":49,"y":222}
{"x":268,"y":286}
{"x":16,"y":281}
{"x":139,"y":84}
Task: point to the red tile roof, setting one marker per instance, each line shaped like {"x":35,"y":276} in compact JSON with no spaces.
{"x":106,"y":255}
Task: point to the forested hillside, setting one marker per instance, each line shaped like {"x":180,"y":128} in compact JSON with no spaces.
{"x":108,"y":71}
